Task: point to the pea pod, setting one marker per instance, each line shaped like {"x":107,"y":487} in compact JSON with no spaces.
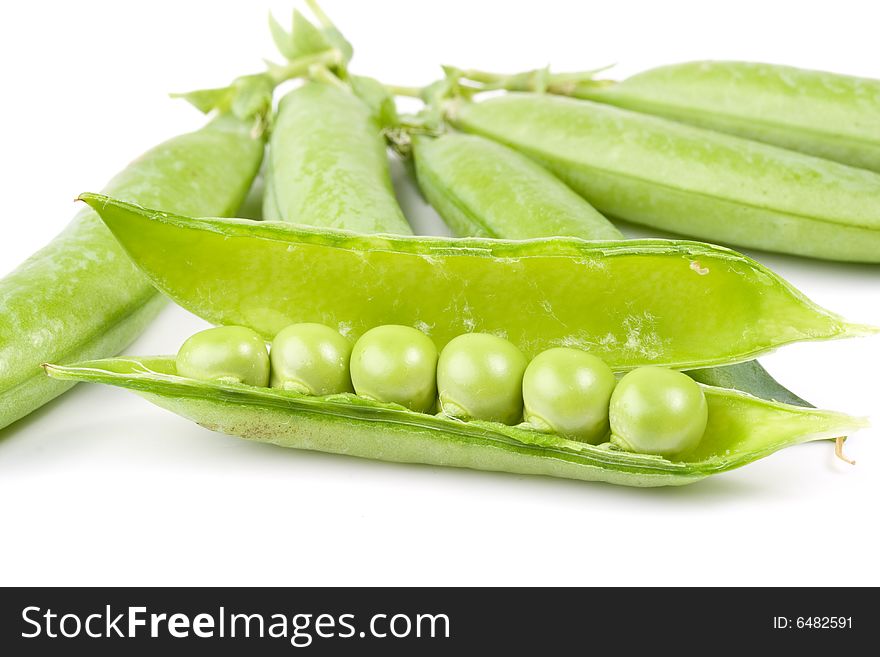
{"x":483,"y":188}
{"x":701,"y":305}
{"x":823,"y":114}
{"x":688,"y":180}
{"x":741,"y":428}
{"x":328,"y":165}
{"x":80,"y":297}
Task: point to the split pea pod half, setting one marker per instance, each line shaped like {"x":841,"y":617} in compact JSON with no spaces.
{"x":328,"y":164}
{"x":80,"y":296}
{"x":689,"y":180}
{"x":484,"y":189}
{"x":824,"y":114}
{"x":639,"y":302}
{"x":740,"y":428}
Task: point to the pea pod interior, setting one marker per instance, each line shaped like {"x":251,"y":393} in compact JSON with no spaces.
{"x":741,"y":428}
{"x":673,"y":303}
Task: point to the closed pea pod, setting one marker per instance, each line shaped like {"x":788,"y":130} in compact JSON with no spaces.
{"x":328,"y":164}
{"x":479,"y":376}
{"x":485,"y":189}
{"x":688,"y":180}
{"x":815,"y":112}
{"x":741,"y":428}
{"x":80,"y":297}
{"x":539,"y":293}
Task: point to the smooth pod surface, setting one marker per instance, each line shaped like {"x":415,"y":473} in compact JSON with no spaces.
{"x":741,"y":428}
{"x":484,"y":189}
{"x":80,"y":296}
{"x":824,"y":114}
{"x":689,"y":180}
{"x":328,"y":164}
{"x":674,"y":303}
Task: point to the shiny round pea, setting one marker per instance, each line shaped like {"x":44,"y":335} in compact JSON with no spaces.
{"x":396,"y":364}
{"x":657,"y":411}
{"x":311,"y":359}
{"x":567,"y":391}
{"x":228,"y":354}
{"x":479,"y":377}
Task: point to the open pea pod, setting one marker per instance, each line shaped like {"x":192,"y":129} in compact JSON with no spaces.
{"x":637,"y":302}
{"x":741,"y":428}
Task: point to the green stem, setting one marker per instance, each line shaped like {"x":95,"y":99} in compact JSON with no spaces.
{"x":537,"y":80}
{"x":400,"y":90}
{"x":322,"y":17}
{"x":303,"y":65}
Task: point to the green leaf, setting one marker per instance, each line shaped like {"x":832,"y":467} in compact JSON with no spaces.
{"x":338,"y":41}
{"x":208,"y":100}
{"x":282,"y":38}
{"x":306,"y":39}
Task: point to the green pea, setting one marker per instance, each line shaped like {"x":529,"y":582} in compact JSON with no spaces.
{"x":567,"y":391}
{"x":479,"y":377}
{"x":657,"y":411}
{"x":396,"y":364}
{"x":311,"y":359}
{"x":228,"y":354}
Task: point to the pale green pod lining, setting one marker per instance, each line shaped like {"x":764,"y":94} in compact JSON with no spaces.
{"x":741,"y":428}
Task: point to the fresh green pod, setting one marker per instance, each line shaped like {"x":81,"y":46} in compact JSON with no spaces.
{"x":741,"y":428}
{"x":80,"y":297}
{"x":328,"y":164}
{"x":824,"y":114}
{"x":689,"y":180}
{"x":637,"y":302}
{"x":484,"y":189}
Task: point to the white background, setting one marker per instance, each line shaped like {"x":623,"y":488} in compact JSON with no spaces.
{"x":102,"y":488}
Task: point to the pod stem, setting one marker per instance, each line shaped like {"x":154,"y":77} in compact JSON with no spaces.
{"x":540,"y":80}
{"x":302,"y":66}
{"x":838,"y":450}
{"x":405,"y":91}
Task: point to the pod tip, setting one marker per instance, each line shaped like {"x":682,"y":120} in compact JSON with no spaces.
{"x":861,"y":330}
